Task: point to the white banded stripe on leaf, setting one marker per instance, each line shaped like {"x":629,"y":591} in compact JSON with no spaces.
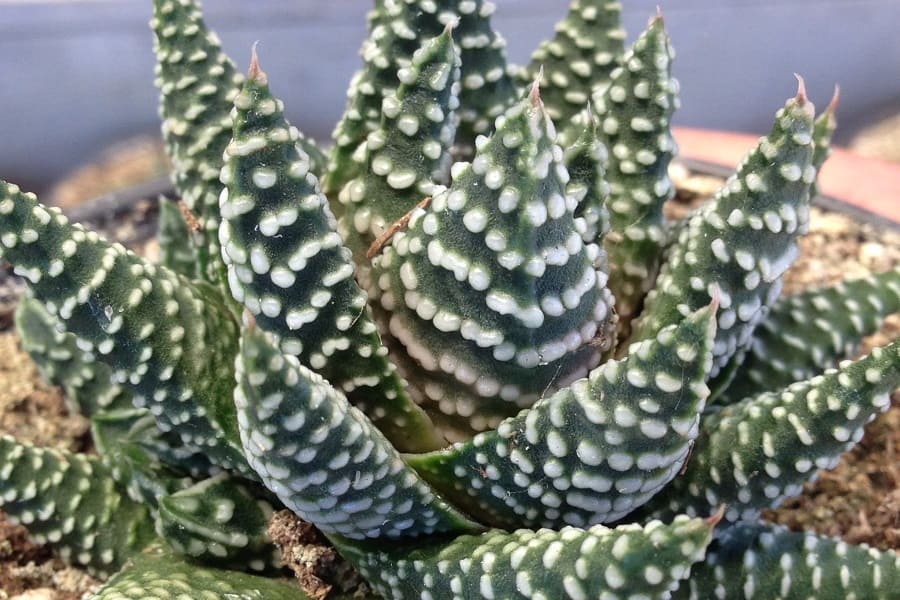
{"x":71,"y":501}
{"x":594,"y":451}
{"x":169,"y":340}
{"x":323,"y":458}
{"x":761,"y":561}
{"x":491,"y":290}
{"x":754,"y":454}
{"x":741,"y":242}
{"x":808,"y":332}
{"x":629,"y":561}
{"x":288,"y":266}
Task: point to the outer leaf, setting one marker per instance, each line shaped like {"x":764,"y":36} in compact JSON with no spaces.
{"x":808,"y":332}
{"x":630,"y":560}
{"x":197,"y":82}
{"x":71,"y":500}
{"x":174,"y":237}
{"x":134,"y":469}
{"x":487,"y":88}
{"x":495,"y":307}
{"x":220,"y":522}
{"x":635,"y":112}
{"x":409,"y":151}
{"x":593,"y":451}
{"x":742,"y":241}
{"x":162,"y":576}
{"x":824,"y":128}
{"x":86,"y":381}
{"x":754,"y":454}
{"x":287,"y":265}
{"x":588,"y":44}
{"x":399,"y":28}
{"x":760,"y":560}
{"x":586,"y":160}
{"x":170,"y":340}
{"x":323,"y":458}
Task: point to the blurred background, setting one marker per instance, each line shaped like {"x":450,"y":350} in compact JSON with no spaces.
{"x":77,"y":75}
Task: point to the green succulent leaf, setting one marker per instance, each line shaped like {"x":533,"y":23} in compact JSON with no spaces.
{"x":586,"y":159}
{"x":120,"y":437}
{"x":588,"y":44}
{"x":221,"y":522}
{"x":598,"y":562}
{"x":635,"y":111}
{"x":323,"y":458}
{"x":761,"y":560}
{"x":593,"y":451}
{"x":170,"y":341}
{"x":85,"y":380}
{"x":754,"y":454}
{"x":741,"y":242}
{"x":811,"y":331}
{"x":197,"y":84}
{"x":163,"y":576}
{"x":410,"y":150}
{"x":71,"y":501}
{"x":287,"y":265}
{"x":823,"y":130}
{"x":397,"y":29}
{"x":488,"y":90}
{"x":491,"y":291}
{"x":174,"y":237}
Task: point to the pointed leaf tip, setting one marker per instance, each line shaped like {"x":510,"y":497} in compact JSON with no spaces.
{"x":451,"y":25}
{"x":835,"y":98}
{"x":715,"y":298}
{"x":590,"y":117}
{"x":713,"y":519}
{"x":254,"y":73}
{"x":801,"y":90}
{"x":249,"y":321}
{"x":535,"y":93}
{"x":657,"y":18}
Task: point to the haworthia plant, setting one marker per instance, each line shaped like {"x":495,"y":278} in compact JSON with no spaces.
{"x":425,"y":360}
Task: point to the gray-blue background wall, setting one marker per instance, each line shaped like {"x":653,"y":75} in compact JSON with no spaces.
{"x":77,"y":74}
